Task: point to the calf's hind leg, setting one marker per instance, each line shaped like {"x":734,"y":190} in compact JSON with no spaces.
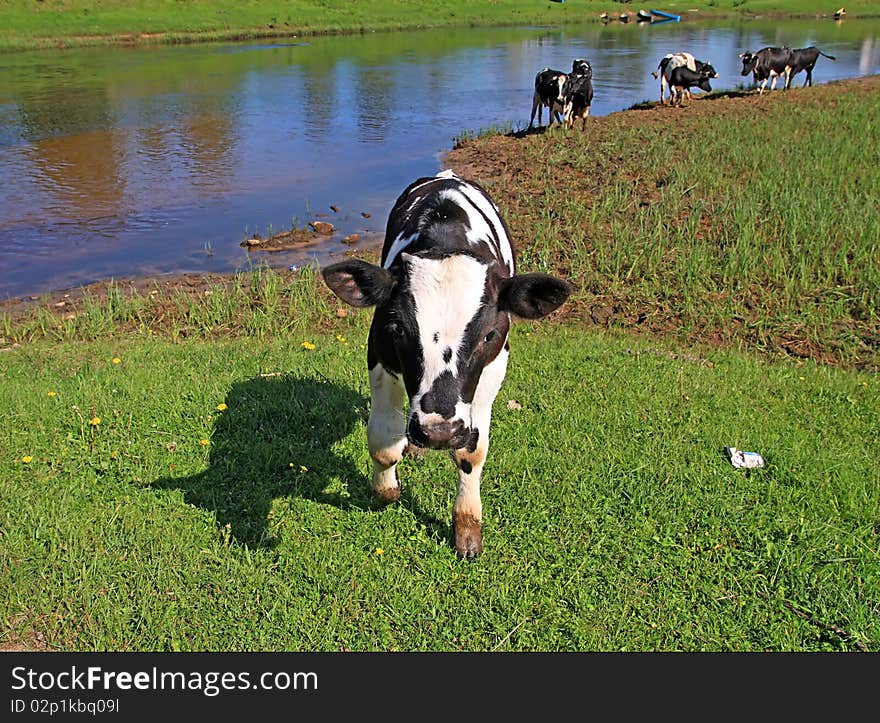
{"x":386,"y":432}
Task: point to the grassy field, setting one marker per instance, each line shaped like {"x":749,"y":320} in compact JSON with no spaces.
{"x":53,"y":23}
{"x":215,"y":496}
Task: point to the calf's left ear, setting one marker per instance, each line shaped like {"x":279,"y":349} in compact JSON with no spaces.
{"x":532,"y":296}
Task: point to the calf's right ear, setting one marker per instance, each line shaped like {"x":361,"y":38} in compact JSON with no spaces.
{"x":359,"y":283}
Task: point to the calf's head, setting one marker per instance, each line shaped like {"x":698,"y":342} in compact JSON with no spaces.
{"x":707,"y":68}
{"x":580,"y":66}
{"x":439,"y":320}
{"x":704,"y":84}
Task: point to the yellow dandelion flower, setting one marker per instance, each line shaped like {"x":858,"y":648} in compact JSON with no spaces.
{"x":52,"y":393}
{"x":340,"y":338}
{"x":221,"y":407}
{"x":27,"y":459}
{"x":379,"y":552}
{"x":114,"y":454}
{"x":95,"y":421}
{"x":204,"y":442}
{"x":116,"y":360}
{"x":308,"y":345}
{"x":303,"y":468}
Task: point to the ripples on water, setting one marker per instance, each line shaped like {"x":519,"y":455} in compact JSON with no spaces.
{"x":119,"y":162}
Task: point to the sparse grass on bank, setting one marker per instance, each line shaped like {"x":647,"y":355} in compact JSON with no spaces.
{"x":260,"y":303}
{"x":67,"y":23}
{"x":747,"y":220}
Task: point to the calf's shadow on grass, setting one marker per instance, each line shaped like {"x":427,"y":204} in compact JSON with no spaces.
{"x":275,"y":439}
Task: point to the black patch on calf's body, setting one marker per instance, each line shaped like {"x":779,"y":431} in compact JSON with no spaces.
{"x":447,"y":355}
{"x":465,"y":466}
{"x":442,"y":397}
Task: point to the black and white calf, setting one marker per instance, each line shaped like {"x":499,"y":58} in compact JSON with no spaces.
{"x":578,"y":93}
{"x":670,"y":62}
{"x":548,"y":94}
{"x":805,"y":59}
{"x":767,"y":64}
{"x":682,"y":79}
{"x":445,"y":295}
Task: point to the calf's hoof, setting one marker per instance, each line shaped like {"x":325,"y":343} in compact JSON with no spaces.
{"x":388,"y":495}
{"x":468,"y":537}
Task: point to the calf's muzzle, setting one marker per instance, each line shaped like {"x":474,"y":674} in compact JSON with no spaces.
{"x":440,"y":435}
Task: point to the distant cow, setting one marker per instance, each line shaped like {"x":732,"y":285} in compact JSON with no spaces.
{"x":682,"y":79}
{"x":670,"y":61}
{"x":578,"y":93}
{"x":805,"y":59}
{"x":768,"y":64}
{"x":548,"y":94}
{"x":445,"y":296}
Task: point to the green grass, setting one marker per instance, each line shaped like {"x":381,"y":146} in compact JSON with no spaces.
{"x":612,"y":519}
{"x":80,"y":22}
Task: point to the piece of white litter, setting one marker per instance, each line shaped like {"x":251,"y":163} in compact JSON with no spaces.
{"x":744,"y":460}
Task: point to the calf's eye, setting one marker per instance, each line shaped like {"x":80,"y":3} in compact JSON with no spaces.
{"x":491,"y":335}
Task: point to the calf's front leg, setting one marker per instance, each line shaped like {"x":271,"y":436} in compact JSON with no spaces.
{"x":467,"y":512}
{"x":386,"y":432}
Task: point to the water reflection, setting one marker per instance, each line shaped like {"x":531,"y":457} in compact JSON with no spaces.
{"x":115,"y":162}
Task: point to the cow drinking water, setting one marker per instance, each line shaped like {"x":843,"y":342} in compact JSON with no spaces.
{"x":670,"y":62}
{"x":682,"y":79}
{"x":444,"y":296}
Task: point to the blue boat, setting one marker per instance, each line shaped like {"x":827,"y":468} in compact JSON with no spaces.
{"x":668,"y":16}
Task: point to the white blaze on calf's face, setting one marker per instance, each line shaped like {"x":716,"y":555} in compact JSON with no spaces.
{"x":447,"y":294}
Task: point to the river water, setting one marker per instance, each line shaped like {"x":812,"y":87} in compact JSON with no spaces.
{"x":145,"y":161}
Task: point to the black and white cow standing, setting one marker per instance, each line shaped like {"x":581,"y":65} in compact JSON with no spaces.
{"x":805,"y":59}
{"x":548,"y":94}
{"x":445,"y":295}
{"x":767,"y":64}
{"x":578,"y":93}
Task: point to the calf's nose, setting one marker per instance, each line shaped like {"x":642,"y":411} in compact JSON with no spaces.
{"x":440,"y":435}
